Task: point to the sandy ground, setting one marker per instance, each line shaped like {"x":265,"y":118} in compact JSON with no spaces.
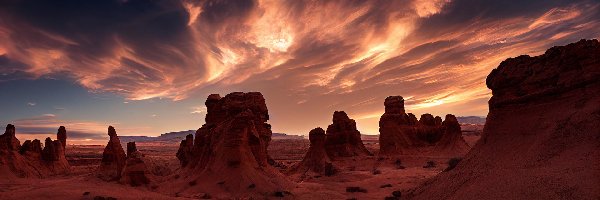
{"x":354,"y":172}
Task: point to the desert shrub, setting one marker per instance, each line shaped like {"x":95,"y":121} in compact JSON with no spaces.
{"x":452,"y":163}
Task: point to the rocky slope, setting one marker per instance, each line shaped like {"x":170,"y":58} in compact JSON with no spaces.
{"x":541,"y":137}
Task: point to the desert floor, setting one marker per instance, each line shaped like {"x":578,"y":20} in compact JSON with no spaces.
{"x":378,"y":177}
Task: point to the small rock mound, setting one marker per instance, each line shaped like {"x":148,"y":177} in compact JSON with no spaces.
{"x":316,"y":159}
{"x":113,"y":158}
{"x":343,"y":139}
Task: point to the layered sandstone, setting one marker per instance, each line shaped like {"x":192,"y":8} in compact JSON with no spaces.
{"x":113,"y":158}
{"x":29,"y":159}
{"x":541,"y":136}
{"x":229,"y":151}
{"x":402,"y":134}
{"x":316,"y":159}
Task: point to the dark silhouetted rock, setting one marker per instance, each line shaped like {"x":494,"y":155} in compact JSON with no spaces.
{"x":62,"y":136}
{"x":231,"y":147}
{"x":185,"y":152}
{"x":113,"y":158}
{"x":135,"y":171}
{"x":343,"y":139}
{"x":8,"y":141}
{"x":316,"y":159}
{"x":541,"y":135}
{"x":131,"y":148}
{"x":49,"y":152}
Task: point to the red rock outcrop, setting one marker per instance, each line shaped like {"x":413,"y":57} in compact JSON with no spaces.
{"x":541,"y":138}
{"x":135,"y":171}
{"x":230,"y":150}
{"x":8,"y":140}
{"x":316,"y":159}
{"x":343,"y":139}
{"x":402,"y":134}
{"x":113,"y":158}
{"x":29,"y":160}
{"x":62,"y":136}
{"x":185,"y":152}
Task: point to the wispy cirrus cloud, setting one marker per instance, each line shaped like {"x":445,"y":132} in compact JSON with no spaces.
{"x":307,"y":57}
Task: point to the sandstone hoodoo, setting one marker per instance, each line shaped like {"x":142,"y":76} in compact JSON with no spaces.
{"x":185,"y":152}
{"x":62,"y":136}
{"x":402,"y":134}
{"x":541,"y":136}
{"x":29,"y":160}
{"x":343,"y":139}
{"x":113,"y":158}
{"x":230,"y":150}
{"x":135,"y":171}
{"x":316,"y":159}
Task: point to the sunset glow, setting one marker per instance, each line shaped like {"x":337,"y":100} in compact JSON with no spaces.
{"x":308,"y":58}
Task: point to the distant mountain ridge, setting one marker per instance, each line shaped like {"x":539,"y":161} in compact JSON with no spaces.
{"x":471,"y":120}
{"x":180,"y":135}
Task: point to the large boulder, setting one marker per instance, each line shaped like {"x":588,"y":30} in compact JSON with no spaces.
{"x":343,"y":139}
{"x":541,"y":138}
{"x":402,"y":134}
{"x":316,"y":159}
{"x":230,"y":150}
{"x":113,"y":158}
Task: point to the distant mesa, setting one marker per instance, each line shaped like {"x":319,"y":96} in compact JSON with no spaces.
{"x":402,"y":134}
{"x":29,"y":159}
{"x":343,"y":139}
{"x":541,"y":138}
{"x":231,"y":149}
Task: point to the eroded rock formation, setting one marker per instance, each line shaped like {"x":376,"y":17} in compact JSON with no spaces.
{"x":343,"y":139}
{"x":231,"y":148}
{"x":135,"y":171}
{"x":316,"y":159}
{"x":29,"y":160}
{"x":113,"y":158}
{"x":541,"y":136}
{"x":62,"y":136}
{"x":402,"y":134}
{"x":185,"y":152}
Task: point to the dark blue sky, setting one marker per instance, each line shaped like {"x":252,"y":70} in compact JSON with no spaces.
{"x":146,"y":67}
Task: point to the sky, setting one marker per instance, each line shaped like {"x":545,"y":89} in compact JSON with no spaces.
{"x":146,"y":67}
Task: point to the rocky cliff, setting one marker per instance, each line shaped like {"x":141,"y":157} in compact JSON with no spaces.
{"x":541,"y":137}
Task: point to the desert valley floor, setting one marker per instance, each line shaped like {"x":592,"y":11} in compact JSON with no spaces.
{"x":84,"y":159}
